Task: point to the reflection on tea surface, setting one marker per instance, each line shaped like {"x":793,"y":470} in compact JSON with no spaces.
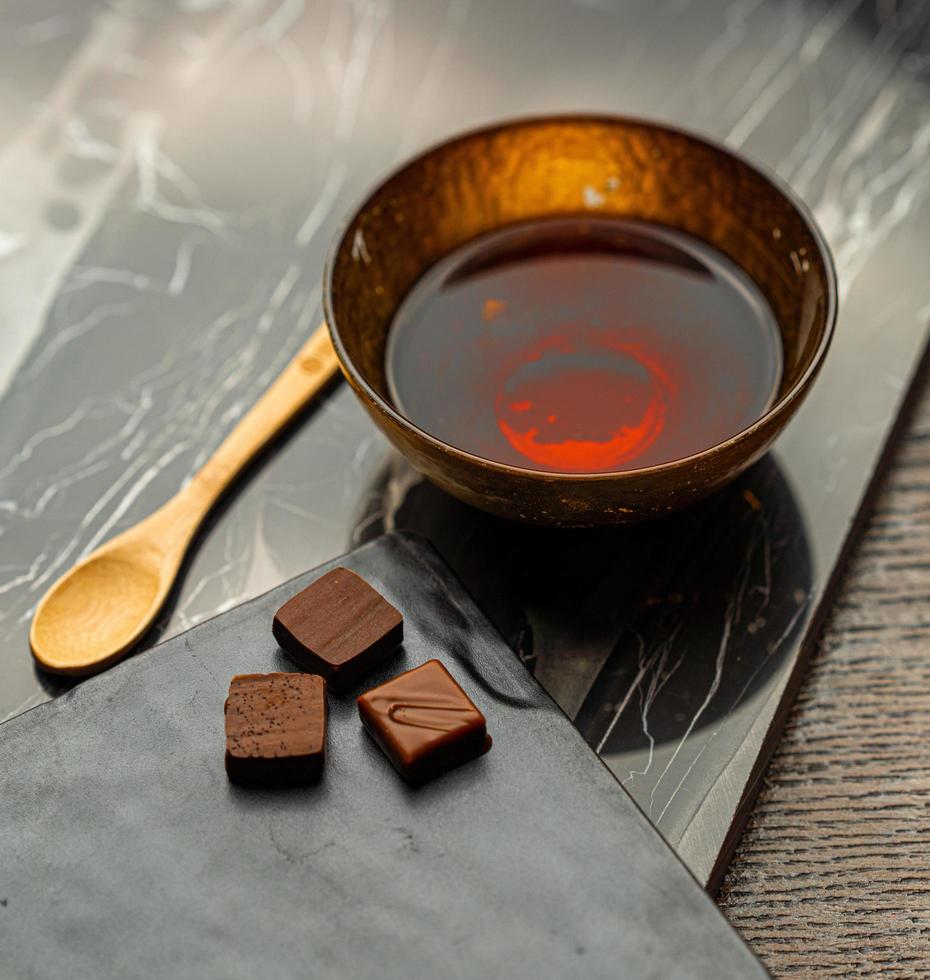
{"x":584,"y":345}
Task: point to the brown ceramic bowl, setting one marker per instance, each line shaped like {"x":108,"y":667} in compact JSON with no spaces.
{"x":542,"y":167}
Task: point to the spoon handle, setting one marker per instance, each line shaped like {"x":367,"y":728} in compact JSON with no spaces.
{"x":311,"y":368}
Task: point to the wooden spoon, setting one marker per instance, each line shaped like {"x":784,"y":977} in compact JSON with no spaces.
{"x":96,"y":612}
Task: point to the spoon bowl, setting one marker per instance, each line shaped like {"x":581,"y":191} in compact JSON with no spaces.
{"x":103,"y":604}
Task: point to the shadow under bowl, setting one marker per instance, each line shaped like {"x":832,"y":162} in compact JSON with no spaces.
{"x":548,"y":167}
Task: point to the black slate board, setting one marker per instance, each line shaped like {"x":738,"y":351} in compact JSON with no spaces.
{"x":126,"y":853}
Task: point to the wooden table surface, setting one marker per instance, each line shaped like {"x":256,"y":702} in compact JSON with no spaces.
{"x":832,"y":875}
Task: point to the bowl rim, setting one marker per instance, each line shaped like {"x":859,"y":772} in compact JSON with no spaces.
{"x":779,"y":407}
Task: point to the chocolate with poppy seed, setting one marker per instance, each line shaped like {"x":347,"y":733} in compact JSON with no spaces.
{"x":275,"y":728}
{"x":339,"y":627}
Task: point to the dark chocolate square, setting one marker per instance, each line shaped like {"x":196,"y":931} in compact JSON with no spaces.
{"x":339,"y":627}
{"x":275,"y":728}
{"x":424,"y":722}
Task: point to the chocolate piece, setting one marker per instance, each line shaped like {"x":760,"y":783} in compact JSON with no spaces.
{"x":275,"y":728}
{"x":339,"y":627}
{"x":424,"y":722}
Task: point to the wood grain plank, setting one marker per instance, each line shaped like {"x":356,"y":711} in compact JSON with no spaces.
{"x":832,"y":876}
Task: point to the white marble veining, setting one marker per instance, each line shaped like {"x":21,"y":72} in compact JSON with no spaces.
{"x":171,"y":175}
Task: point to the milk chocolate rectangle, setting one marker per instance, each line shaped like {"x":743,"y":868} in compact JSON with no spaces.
{"x":424,"y":722}
{"x":275,"y":728}
{"x":339,"y":627}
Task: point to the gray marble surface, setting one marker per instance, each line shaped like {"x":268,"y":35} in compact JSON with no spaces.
{"x":170,"y":177}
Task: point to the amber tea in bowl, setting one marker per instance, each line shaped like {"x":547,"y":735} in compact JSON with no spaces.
{"x":580,"y":320}
{"x":584,"y":345}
